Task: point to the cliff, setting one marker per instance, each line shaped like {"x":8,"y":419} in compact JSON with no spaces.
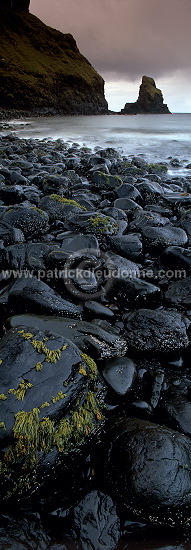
{"x":150,"y":100}
{"x":41,"y":69}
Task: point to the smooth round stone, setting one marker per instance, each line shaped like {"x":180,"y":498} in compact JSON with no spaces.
{"x":150,"y":191}
{"x":127,"y":204}
{"x":165,"y":236}
{"x":148,"y":470}
{"x":129,"y":191}
{"x":120,"y":374}
{"x":95,"y":309}
{"x":128,"y":245}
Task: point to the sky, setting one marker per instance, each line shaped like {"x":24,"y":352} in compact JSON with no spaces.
{"x":126,"y":39}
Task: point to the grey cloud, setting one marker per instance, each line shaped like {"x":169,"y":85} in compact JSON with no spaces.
{"x":125,"y":38}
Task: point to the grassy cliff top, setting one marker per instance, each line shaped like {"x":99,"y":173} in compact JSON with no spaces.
{"x":31,"y":48}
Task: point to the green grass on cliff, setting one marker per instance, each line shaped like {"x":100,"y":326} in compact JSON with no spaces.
{"x":38,"y":62}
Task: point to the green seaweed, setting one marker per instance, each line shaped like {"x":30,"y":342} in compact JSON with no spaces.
{"x":2,"y":425}
{"x":90,"y":363}
{"x":33,"y":435}
{"x":38,"y":366}
{"x":21,"y":390}
{"x":3,"y":397}
{"x":60,"y":395}
{"x":46,"y":404}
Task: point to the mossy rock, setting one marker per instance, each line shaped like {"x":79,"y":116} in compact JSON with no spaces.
{"x":158,"y":168}
{"x":106,"y":181}
{"x":59,"y":207}
{"x":49,"y":403}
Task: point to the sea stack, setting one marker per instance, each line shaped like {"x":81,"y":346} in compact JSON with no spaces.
{"x":42,"y":70}
{"x":150,"y":100}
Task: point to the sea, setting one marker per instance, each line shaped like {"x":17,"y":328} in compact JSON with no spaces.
{"x":154,"y":137}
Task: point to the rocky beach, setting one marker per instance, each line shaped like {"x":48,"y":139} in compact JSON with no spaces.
{"x":94,"y":351}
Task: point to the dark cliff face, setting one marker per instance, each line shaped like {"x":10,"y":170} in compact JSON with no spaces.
{"x":42,"y":70}
{"x":150,"y":100}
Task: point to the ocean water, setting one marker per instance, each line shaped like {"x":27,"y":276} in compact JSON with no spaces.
{"x":155,"y":137}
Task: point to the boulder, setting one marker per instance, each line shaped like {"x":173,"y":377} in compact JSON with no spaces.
{"x":48,"y":405}
{"x":148,"y":470}
{"x":159,"y":330}
{"x":103,"y":342}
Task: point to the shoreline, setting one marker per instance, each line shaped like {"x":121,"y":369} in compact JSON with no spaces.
{"x":96,"y":270}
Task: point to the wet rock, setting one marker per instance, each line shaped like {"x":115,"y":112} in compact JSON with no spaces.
{"x":103,"y":342}
{"x":115,"y":213}
{"x":150,"y":191}
{"x":31,"y":221}
{"x":31,"y":256}
{"x":175,"y":411}
{"x":22,"y":533}
{"x":128,"y":245}
{"x":148,"y":219}
{"x":179,"y":293}
{"x":178,"y":198}
{"x":95,"y":309}
{"x":106,"y":181}
{"x":9,"y":234}
{"x":157,"y":386}
{"x":96,"y":525}
{"x":59,"y":207}
{"x":27,"y":294}
{"x":164,"y":236}
{"x":94,"y":222}
{"x":129,"y":191}
{"x":149,"y":466}
{"x":127,"y":204}
{"x":132,"y":291}
{"x":44,"y":379}
{"x":177,"y":257}
{"x":80,"y":243}
{"x":185,"y":223}
{"x":156,"y":330}
{"x":120,"y":374}
{"x":11,"y":194}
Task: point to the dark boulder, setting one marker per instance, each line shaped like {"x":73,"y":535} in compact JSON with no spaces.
{"x":148,"y":470}
{"x":179,"y":293}
{"x":89,"y":337}
{"x":32,"y":221}
{"x":156,"y":330}
{"x":48,"y":404}
{"x":29,"y":293}
{"x":96,"y":525}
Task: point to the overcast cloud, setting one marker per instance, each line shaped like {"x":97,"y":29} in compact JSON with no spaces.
{"x":124,"y":39}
